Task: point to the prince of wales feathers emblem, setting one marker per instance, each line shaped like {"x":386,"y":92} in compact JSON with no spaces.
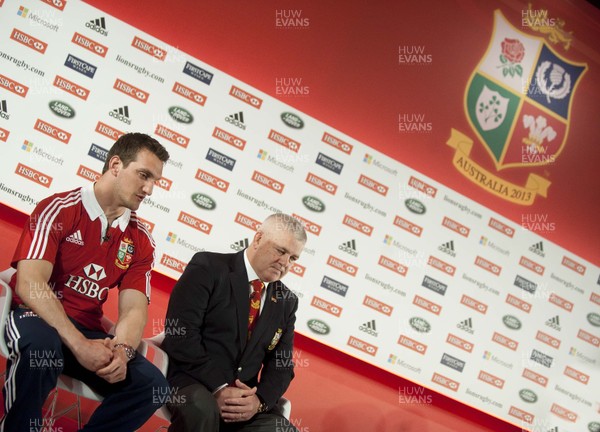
{"x":518,"y":104}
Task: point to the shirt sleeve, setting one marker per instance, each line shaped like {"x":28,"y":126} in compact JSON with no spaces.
{"x":43,"y":232}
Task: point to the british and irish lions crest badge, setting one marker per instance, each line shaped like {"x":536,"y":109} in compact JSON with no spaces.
{"x":518,"y":104}
{"x":125,"y":254}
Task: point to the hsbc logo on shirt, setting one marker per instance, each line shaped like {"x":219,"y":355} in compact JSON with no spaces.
{"x":89,"y":286}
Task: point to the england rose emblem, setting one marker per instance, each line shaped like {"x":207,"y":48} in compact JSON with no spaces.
{"x":513,"y":52}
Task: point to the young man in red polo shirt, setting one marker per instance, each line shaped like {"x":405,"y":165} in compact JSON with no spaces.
{"x":75,"y":247}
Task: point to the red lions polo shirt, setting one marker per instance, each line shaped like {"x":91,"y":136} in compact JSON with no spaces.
{"x":68,"y":229}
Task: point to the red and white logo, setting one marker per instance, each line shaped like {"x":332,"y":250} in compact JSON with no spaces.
{"x":445,"y":381}
{"x":52,"y":131}
{"x":362,"y":345}
{"x":58,"y":4}
{"x":311,"y":227}
{"x":164,"y":183}
{"x":392,"y":265}
{"x":33,"y":175}
{"x":378,"y":305}
{"x":71,"y":87}
{"x":88,"y":173}
{"x":589,"y":338}
{"x":535,"y":377}
{"x":548,"y":339}
{"x":342,"y":265}
{"x":171,"y":135}
{"x":421,"y":186}
{"x":189,"y":94}
{"x":247,"y":221}
{"x":374,"y":185}
{"x":505,"y":341}
{"x":576,"y":375}
{"x":357,"y":225}
{"x":501,"y":227}
{"x":267,"y":182}
{"x":149,"y":48}
{"x":561,"y":302}
{"x":337,"y":143}
{"x":284,"y":141}
{"x":456,"y":226}
{"x":297,"y":269}
{"x":474,"y":304}
{"x":173,"y":263}
{"x":521,"y":415}
{"x":326,"y":306}
{"x":29,"y":41}
{"x":229,"y":138}
{"x":573,"y":265}
{"x":595,"y":298}
{"x":495,"y":269}
{"x":428,"y":305}
{"x":459,"y":343}
{"x":212,"y":180}
{"x":412,"y":344}
{"x":131,"y":90}
{"x":321,"y":183}
{"x":4,"y":134}
{"x":408,"y":226}
{"x":13,"y":86}
{"x":244,"y":96}
{"x":108,"y":131}
{"x":531,"y":265}
{"x":488,"y":378}
{"x":194,"y":222}
{"x":89,"y":44}
{"x":518,"y":303}
{"x":563,"y":413}
{"x":441,"y":265}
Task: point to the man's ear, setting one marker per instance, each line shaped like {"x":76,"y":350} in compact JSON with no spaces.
{"x":115,"y":164}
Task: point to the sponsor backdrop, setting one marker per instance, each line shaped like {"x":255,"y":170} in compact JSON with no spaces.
{"x":435,"y":288}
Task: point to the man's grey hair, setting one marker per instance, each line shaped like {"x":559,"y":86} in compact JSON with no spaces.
{"x":282,"y":221}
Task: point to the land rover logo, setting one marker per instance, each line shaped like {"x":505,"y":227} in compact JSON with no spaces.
{"x":292,"y":120}
{"x":528,"y":396}
{"x":181,"y":115}
{"x":594,"y":319}
{"x":204,"y":201}
{"x":420,"y":325}
{"x":318,"y":326}
{"x":594,"y":427}
{"x":314,"y":204}
{"x":61,"y":109}
{"x":512,"y":322}
{"x":415,"y":206}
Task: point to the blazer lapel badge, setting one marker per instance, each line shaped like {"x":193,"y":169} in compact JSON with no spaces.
{"x":275,"y":339}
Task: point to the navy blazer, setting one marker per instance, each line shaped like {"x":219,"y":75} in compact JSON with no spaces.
{"x":206,"y":329}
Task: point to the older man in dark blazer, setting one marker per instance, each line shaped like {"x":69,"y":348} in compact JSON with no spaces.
{"x":223,"y":326}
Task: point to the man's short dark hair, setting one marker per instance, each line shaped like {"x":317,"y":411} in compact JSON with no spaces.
{"x":128,"y":146}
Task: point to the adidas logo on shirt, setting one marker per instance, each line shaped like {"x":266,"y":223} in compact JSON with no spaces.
{"x":76,"y":238}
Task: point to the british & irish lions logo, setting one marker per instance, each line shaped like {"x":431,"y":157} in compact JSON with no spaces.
{"x":518,"y":104}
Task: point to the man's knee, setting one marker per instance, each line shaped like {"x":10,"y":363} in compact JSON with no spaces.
{"x":191,"y":404}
